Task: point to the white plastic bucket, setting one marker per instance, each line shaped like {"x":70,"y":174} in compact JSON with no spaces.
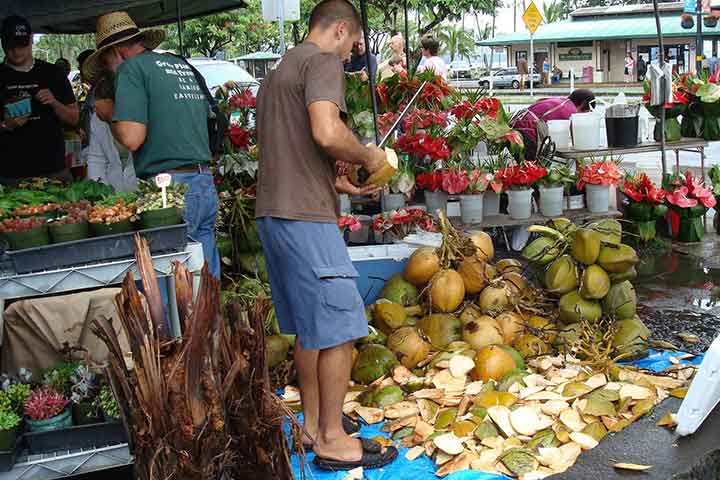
{"x":345,"y":205}
{"x":471,"y":209}
{"x":598,"y":198}
{"x":491,"y":204}
{"x":586,"y":130}
{"x":559,"y":131}
{"x":574,"y":202}
{"x":551,"y":201}
{"x":393,"y":201}
{"x":436,"y":201}
{"x":519,"y":204}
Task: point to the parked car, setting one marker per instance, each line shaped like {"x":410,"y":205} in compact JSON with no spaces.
{"x":217,"y":72}
{"x":459,"y":69}
{"x":508,"y":78}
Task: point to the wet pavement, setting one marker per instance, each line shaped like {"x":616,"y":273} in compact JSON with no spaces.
{"x":678,"y":292}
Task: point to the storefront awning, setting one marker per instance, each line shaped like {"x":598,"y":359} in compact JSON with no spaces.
{"x":612,"y":28}
{"x":79,"y":16}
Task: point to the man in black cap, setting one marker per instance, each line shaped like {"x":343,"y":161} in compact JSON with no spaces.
{"x":36,"y":100}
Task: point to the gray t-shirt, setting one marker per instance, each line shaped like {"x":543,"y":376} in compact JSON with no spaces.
{"x":296,"y":177}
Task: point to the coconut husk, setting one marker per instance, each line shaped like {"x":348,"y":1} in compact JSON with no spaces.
{"x":199,"y":406}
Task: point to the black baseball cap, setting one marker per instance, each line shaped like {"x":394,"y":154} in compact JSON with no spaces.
{"x":16,"y":32}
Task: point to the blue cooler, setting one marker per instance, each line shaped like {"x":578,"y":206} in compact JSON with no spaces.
{"x":376,"y":264}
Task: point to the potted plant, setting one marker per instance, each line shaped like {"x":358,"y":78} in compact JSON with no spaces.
{"x":396,"y":225}
{"x":492,"y":165}
{"x":111,"y":220}
{"x":647,"y":204}
{"x":73,"y":225}
{"x":400,"y":185}
{"x":23,"y":233}
{"x":85,"y":409}
{"x":18,"y":394}
{"x":471,"y":201}
{"x":109,"y":405}
{"x":688,"y":201}
{"x":9,"y":423}
{"x":552,"y":190}
{"x":349,"y":224}
{"x":47,"y":410}
{"x":518,"y":181}
{"x":596,"y":179}
{"x":60,"y":377}
{"x":149,"y":205}
{"x":431,"y":183}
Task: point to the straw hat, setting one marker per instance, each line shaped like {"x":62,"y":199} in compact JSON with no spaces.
{"x":113,"y":28}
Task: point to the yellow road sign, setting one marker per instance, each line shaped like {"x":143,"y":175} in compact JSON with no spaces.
{"x":532,"y":17}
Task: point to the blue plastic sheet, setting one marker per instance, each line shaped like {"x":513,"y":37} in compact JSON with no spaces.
{"x":424,"y":469}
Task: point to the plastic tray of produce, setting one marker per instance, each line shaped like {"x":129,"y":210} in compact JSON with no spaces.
{"x":82,"y":436}
{"x":90,"y":250}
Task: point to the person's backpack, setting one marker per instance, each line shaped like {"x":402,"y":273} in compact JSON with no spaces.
{"x":218,"y":123}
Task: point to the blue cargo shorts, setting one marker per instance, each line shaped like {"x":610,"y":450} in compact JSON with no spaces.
{"x":313,"y":282}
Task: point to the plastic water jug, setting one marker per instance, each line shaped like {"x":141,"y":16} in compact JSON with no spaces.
{"x":586,"y":129}
{"x":559,"y":131}
{"x":703,"y":394}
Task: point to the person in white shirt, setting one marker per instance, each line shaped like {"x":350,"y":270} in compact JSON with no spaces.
{"x":431,"y":61}
{"x":107,"y":161}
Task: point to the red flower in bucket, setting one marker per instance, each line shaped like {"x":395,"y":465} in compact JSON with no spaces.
{"x":641,"y":189}
{"x":431,"y":181}
{"x":454,"y":182}
{"x":691,"y":193}
{"x":244,"y":99}
{"x":350,"y":222}
{"x":521,"y":176}
{"x":239,"y":137}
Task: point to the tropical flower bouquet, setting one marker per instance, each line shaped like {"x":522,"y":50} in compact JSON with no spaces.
{"x":674,"y":109}
{"x":596,"y":178}
{"x":702,"y":118}
{"x":348,"y":222}
{"x":518,"y":181}
{"x":398,"y":224}
{"x":647,"y":204}
{"x":688,"y":200}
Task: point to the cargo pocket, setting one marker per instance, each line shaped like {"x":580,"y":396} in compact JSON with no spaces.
{"x":339,"y":287}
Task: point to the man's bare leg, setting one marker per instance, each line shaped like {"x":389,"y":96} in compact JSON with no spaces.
{"x":306,"y":364}
{"x":332,"y":442}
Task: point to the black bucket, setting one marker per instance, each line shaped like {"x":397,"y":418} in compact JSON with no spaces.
{"x":621,"y":123}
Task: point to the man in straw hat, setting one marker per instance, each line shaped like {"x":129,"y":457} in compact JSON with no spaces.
{"x":36,"y":101}
{"x":160,"y":114}
{"x":300,"y":135}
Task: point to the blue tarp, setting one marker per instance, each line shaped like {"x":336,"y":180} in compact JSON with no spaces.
{"x":424,"y":469}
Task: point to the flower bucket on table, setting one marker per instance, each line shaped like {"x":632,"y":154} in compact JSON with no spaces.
{"x":491,"y":204}
{"x":551,"y":201}
{"x":598,"y":198}
{"x":519,"y":204}
{"x":436,"y":201}
{"x":471,"y":208}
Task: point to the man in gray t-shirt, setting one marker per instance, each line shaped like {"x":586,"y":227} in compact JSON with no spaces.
{"x":300,"y":136}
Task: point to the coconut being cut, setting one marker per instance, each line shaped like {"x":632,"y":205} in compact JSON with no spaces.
{"x":360,"y":177}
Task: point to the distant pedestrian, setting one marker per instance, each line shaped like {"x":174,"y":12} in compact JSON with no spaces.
{"x":430,"y":49}
{"x":397,"y":49}
{"x":546,"y":71}
{"x":395,"y":67}
{"x":522,"y":68}
{"x":358,"y":61}
{"x":629,"y":68}
{"x":641,"y":69}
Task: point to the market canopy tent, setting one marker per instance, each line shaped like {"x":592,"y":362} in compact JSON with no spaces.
{"x":79,"y":16}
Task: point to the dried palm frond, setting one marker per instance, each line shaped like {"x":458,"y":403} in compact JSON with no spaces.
{"x":180,"y":399}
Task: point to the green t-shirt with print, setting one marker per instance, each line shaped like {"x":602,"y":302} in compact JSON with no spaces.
{"x":160,"y":92}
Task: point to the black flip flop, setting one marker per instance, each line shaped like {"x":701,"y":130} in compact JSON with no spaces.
{"x":373,"y":457}
{"x":349,"y":425}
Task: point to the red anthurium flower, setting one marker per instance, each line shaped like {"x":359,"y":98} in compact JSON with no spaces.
{"x":349,"y":221}
{"x":239,"y":137}
{"x":455,"y":182}
{"x":640,"y":188}
{"x":244,"y":99}
{"x":431,"y":181}
{"x":680,"y":199}
{"x":488,"y":106}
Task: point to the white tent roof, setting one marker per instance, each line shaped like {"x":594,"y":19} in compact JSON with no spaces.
{"x":79,"y":16}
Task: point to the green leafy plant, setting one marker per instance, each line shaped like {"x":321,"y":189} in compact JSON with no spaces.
{"x":108,"y":403}
{"x":18,"y":394}
{"x":59,"y":378}
{"x":560,"y":176}
{"x":9,"y":420}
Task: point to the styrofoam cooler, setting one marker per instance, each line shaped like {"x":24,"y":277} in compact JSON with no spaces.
{"x":376,"y":264}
